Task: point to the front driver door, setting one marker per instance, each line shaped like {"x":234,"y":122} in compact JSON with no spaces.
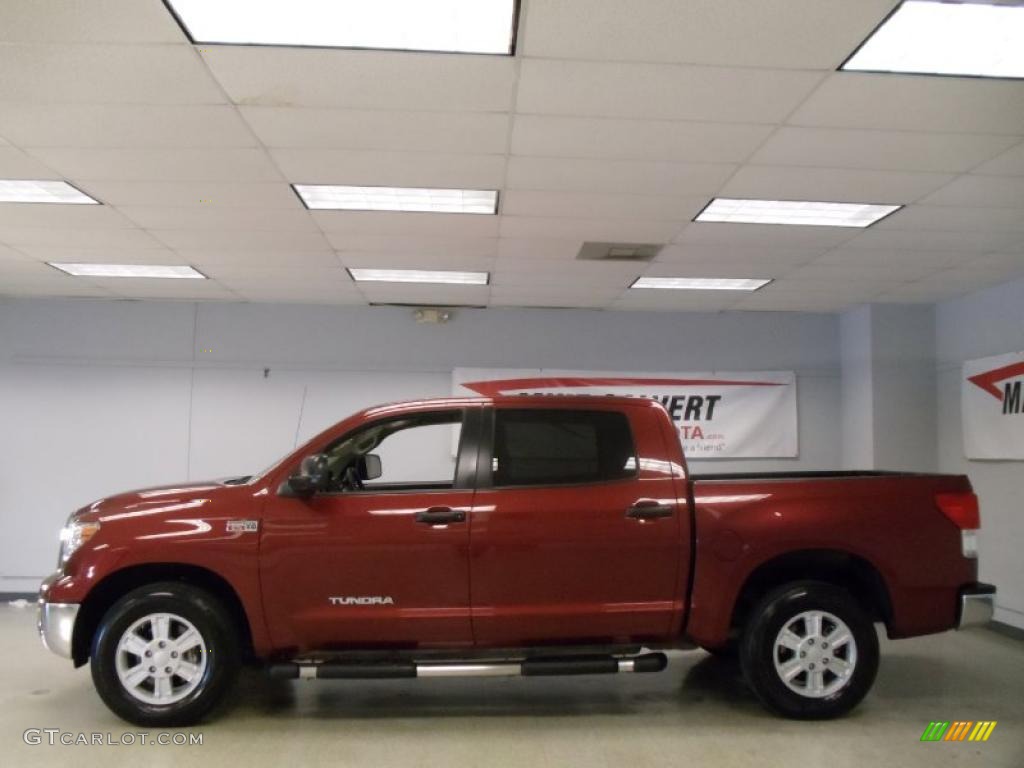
{"x":386,"y":565}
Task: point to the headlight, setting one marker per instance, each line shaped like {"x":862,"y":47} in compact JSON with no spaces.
{"x":72,"y":536}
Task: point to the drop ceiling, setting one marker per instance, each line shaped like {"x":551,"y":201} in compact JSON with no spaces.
{"x":614,"y":122}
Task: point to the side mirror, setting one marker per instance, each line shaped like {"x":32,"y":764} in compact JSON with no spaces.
{"x":312,"y":477}
{"x":369,"y":467}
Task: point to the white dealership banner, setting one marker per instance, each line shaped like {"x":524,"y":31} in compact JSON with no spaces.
{"x":720,"y":415}
{"x":992,"y":404}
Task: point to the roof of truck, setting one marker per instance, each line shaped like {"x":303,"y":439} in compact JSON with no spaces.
{"x":569,"y":401}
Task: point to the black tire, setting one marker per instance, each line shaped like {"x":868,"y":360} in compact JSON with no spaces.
{"x":758,"y":653}
{"x":211,"y":620}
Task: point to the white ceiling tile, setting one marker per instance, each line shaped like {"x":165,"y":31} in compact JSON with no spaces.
{"x":112,"y":239}
{"x":124,"y":126}
{"x":851,"y":270}
{"x":176,"y":290}
{"x":762,"y":235}
{"x":676,"y":301}
{"x":712,"y":254}
{"x":551,"y":136}
{"x":879,"y":150}
{"x":258,"y":259}
{"x":736,"y":32}
{"x":794,"y":302}
{"x":424,"y":244}
{"x":1010,"y":163}
{"x":532,"y":248}
{"x":17,"y":215}
{"x":831,"y":184}
{"x":383,"y":222}
{"x":915,"y":103}
{"x":468,"y":132}
{"x":251,"y":275}
{"x":413,"y":260}
{"x":297,"y":77}
{"x":860,"y":257}
{"x":70,"y":254}
{"x":393,"y":293}
{"x":938,"y":218}
{"x":919,"y":293}
{"x":259,"y":240}
{"x":390,"y":169}
{"x":756,"y":269}
{"x":593,"y":205}
{"x":212,"y":217}
{"x":235,"y":165}
{"x":656,"y":91}
{"x":971,"y":190}
{"x":95,"y":21}
{"x":567,"y":276}
{"x":980,"y":242}
{"x":619,"y":176}
{"x":15,"y":164}
{"x":601,"y":230}
{"x":197,"y":194}
{"x":105,"y":74}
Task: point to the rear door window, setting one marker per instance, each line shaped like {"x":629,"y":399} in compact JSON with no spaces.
{"x":548,"y":446}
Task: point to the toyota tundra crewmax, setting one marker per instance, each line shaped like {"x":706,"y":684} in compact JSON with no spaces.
{"x":524,"y":535}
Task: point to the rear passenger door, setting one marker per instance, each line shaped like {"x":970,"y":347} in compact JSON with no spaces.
{"x":575,"y":533}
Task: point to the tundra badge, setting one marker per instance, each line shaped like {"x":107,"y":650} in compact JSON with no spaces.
{"x":367,"y":600}
{"x":242,"y":526}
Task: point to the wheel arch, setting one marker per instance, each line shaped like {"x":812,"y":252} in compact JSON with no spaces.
{"x":120,"y":582}
{"x":840,"y":568}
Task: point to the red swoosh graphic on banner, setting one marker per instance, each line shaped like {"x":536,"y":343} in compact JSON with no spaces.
{"x":987,"y":381}
{"x":492,"y":388}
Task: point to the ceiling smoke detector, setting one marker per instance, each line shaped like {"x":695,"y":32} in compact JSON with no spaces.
{"x":432,"y":315}
{"x":621,"y":252}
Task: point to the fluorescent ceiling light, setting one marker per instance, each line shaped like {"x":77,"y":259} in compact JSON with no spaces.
{"x":24,"y":191}
{"x":325,"y":197}
{"x":701,"y":283}
{"x":797,"y":212}
{"x":128,"y":270}
{"x":458,"y":26}
{"x":418,"y":276}
{"x":976,"y":39}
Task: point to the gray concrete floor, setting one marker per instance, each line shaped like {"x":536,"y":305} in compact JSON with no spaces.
{"x":697,"y":713}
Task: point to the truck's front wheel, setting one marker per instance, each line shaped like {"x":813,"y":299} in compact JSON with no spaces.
{"x":164,"y":655}
{"x":809,"y":651}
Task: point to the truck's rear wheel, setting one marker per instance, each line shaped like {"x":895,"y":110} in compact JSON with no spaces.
{"x":164,"y":655}
{"x":809,"y":651}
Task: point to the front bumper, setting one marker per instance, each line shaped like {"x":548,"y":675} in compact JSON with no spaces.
{"x":56,"y":621}
{"x":977,"y":604}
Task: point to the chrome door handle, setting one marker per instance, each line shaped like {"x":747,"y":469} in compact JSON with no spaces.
{"x":440,"y":516}
{"x":649,"y":510}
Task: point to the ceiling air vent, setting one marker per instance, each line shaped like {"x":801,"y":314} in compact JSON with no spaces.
{"x":622,"y":252}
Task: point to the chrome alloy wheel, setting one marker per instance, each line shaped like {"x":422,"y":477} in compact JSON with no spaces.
{"x":160,"y":658}
{"x":815,"y":654}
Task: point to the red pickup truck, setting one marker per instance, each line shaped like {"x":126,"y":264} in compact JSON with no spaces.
{"x":528,"y":535}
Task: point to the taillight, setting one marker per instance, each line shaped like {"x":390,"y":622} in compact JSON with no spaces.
{"x":962,"y":510}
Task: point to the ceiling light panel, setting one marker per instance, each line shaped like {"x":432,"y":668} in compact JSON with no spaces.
{"x":455,"y":26}
{"x":942,"y":38}
{"x":448,"y":277}
{"x":128,"y":270}
{"x":701,"y":283}
{"x":323,"y":197}
{"x":795,"y":212}
{"x":26,"y":191}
